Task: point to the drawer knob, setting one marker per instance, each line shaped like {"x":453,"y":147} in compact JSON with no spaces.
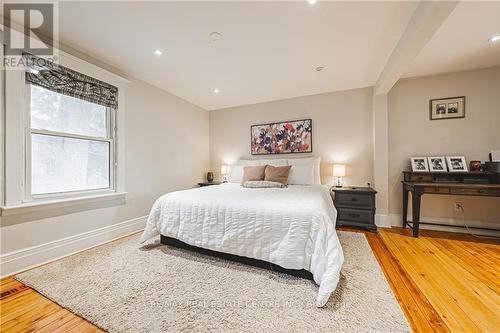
{"x":354,"y":215}
{"x":354,"y":199}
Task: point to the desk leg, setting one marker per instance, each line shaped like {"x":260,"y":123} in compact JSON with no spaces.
{"x":405,"y":206}
{"x":416,"y":196}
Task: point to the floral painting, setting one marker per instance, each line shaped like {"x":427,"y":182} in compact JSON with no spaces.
{"x":282,"y":138}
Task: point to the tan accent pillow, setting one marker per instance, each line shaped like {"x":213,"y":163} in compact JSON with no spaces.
{"x":277,"y":174}
{"x":253,"y":173}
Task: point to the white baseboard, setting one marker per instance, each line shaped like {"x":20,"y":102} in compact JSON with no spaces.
{"x":24,"y":259}
{"x":450,"y":224}
{"x":382,"y":220}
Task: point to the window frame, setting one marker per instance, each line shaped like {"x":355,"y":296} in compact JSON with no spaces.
{"x":13,"y":120}
{"x":111,"y":130}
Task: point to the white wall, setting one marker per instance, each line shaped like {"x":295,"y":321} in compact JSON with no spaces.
{"x":166,"y":150}
{"x":411,"y":133}
{"x":342,"y":131}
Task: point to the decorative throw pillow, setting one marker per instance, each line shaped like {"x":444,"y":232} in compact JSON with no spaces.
{"x":262,"y":184}
{"x":277,"y":174}
{"x":253,"y":173}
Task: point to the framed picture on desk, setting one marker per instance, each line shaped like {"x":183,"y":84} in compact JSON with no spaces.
{"x":437,"y":164}
{"x":456,"y":164}
{"x":419,"y":164}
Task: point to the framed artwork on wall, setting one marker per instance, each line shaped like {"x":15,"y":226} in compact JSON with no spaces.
{"x":447,"y":108}
{"x":286,"y":137}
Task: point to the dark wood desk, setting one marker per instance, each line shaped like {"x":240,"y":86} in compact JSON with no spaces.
{"x":466,"y":183}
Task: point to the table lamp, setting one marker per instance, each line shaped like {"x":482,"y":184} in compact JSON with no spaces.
{"x":339,"y":172}
{"x":224,"y":171}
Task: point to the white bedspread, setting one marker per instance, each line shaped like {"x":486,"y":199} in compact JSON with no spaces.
{"x":292,"y":227}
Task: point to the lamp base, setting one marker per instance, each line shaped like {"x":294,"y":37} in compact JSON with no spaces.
{"x":338,"y":182}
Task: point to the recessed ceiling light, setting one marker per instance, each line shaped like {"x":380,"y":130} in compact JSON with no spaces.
{"x":214,"y":36}
{"x":319,"y":68}
{"x":158,"y":52}
{"x":312,"y":2}
{"x":216,"y":91}
{"x":494,"y":39}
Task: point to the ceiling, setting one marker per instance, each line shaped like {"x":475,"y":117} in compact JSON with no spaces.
{"x":461,"y":43}
{"x":269,"y":50}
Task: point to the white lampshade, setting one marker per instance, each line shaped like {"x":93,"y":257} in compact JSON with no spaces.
{"x":224,"y":169}
{"x":339,"y":170}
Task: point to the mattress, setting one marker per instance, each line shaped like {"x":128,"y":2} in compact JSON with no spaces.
{"x":292,"y":227}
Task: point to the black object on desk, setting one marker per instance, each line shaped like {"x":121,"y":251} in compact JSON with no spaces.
{"x":208,"y":184}
{"x":486,"y":184}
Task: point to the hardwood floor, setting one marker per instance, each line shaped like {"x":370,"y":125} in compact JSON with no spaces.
{"x":456,"y":274}
{"x":444,"y":282}
{"x":24,"y":310}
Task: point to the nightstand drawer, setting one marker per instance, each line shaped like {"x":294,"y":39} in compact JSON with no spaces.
{"x":354,"y":199}
{"x":356,"y":215}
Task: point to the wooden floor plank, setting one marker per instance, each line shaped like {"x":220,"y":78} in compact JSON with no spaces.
{"x":455,"y":290}
{"x":46,"y":320}
{"x":444,"y":282}
{"x":482,"y":268}
{"x":448,"y":310}
{"x":58,"y":324}
{"x":26,"y":319}
{"x":8,"y":283}
{"x":419,"y":312}
{"x":463,"y":288}
{"x":82,"y":327}
{"x":30,"y":302}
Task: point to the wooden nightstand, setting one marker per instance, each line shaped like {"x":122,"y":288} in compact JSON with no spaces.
{"x":208,"y":184}
{"x":355,"y":206}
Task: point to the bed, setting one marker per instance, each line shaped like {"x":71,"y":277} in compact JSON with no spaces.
{"x":291,"y":227}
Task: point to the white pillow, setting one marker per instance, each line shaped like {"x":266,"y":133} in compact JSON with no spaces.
{"x":274,"y":162}
{"x":301,"y":174}
{"x":315,"y":161}
{"x":236,"y":174}
{"x":248,"y":162}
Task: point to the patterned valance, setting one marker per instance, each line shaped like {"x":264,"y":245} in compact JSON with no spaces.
{"x":65,"y":81}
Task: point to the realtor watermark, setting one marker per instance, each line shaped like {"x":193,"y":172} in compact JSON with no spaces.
{"x":248,"y":304}
{"x":29,"y":27}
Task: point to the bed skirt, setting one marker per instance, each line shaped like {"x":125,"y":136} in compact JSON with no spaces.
{"x":301,"y":273}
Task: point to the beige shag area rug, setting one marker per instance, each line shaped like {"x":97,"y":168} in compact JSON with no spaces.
{"x":126,"y":287}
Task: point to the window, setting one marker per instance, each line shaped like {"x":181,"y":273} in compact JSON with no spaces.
{"x":61,"y":144}
{"x":71,"y":144}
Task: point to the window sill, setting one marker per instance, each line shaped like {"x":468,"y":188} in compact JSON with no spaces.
{"x":33,"y":207}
